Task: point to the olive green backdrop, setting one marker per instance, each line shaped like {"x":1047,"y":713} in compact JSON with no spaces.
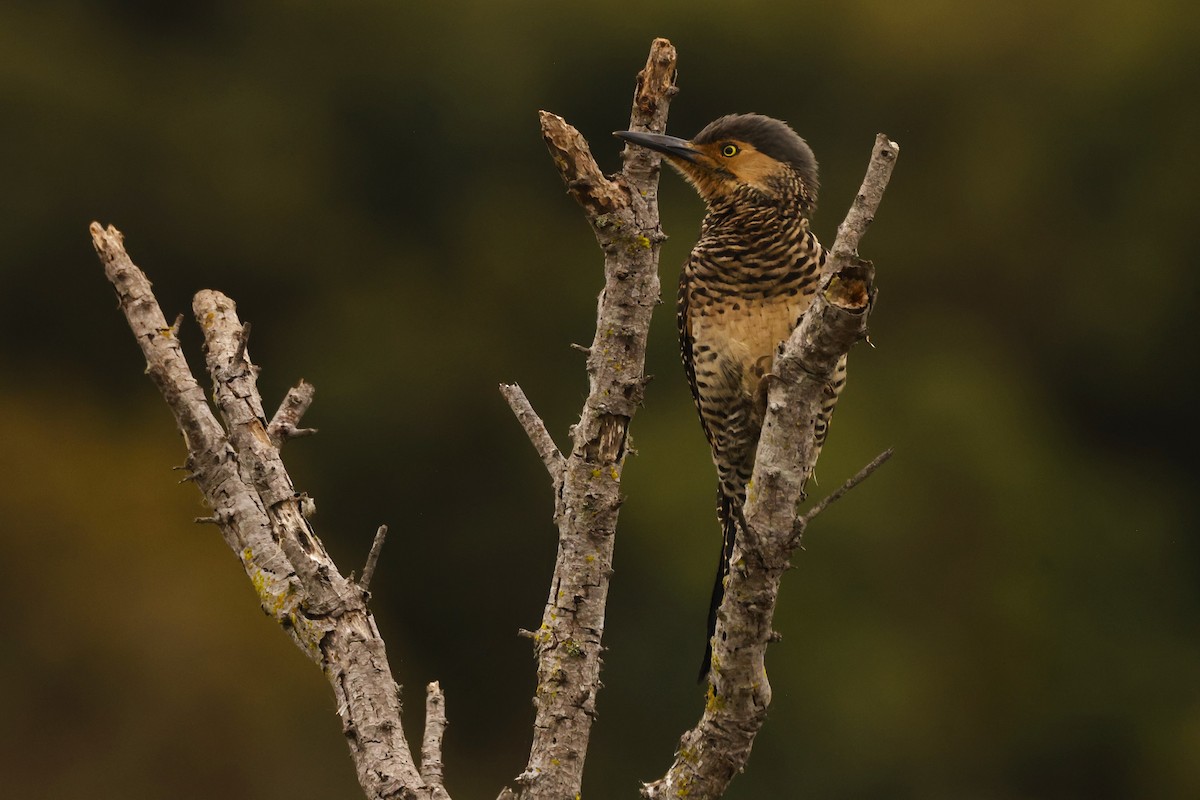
{"x":1007,"y":610}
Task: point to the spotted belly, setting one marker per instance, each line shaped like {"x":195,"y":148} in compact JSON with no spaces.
{"x":736,"y":341}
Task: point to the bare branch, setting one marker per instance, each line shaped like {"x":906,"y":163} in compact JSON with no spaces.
{"x":833,"y":497}
{"x":866,"y":202}
{"x":262,"y":519}
{"x":535,"y":429}
{"x":373,"y":558}
{"x":211,"y":460}
{"x":431,"y":742}
{"x":595,"y":194}
{"x":623,"y":212}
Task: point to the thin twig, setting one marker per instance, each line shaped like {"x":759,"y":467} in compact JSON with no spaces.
{"x":535,"y":429}
{"x":836,"y":495}
{"x":373,"y":558}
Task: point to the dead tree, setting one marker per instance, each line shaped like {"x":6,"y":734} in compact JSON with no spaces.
{"x":235,"y":462}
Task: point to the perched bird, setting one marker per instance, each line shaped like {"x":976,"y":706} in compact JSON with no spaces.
{"x":742,"y":291}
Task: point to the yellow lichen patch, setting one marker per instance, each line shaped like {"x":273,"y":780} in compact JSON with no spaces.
{"x":714,"y":702}
{"x":636,"y":243}
{"x":307,"y":633}
{"x":276,"y":598}
{"x":262,"y":586}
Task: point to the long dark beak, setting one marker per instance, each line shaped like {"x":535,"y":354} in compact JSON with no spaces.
{"x":668,"y":145}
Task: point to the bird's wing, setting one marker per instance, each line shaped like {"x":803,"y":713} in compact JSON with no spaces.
{"x":687,"y":345}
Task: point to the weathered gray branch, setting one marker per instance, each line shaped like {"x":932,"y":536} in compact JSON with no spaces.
{"x":535,"y":429}
{"x":623,"y":212}
{"x":263,"y":520}
{"x":837,"y":494}
{"x":431,"y":741}
{"x":286,"y":422}
{"x":373,"y":558}
{"x":866,"y":202}
{"x":711,"y":753}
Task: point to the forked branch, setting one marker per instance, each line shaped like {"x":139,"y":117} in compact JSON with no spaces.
{"x":623,"y":212}
{"x":262,"y":519}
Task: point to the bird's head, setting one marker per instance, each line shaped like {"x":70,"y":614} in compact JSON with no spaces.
{"x":740,"y":155}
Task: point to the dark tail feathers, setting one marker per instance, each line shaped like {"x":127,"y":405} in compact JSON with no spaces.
{"x":729,"y":511}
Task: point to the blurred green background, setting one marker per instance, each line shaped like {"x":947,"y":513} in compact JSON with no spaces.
{"x":1007,"y":610}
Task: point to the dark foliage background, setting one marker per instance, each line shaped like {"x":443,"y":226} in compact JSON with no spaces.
{"x":1007,"y":610}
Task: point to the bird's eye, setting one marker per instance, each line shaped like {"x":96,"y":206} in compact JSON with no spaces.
{"x":729,"y":150}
